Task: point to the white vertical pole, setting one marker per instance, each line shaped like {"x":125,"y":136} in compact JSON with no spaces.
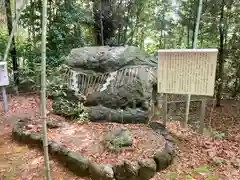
{"x":194,"y":47}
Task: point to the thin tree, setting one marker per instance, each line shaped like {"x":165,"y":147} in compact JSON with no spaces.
{"x":43,"y":89}
{"x":221,"y":55}
{"x":13,"y":51}
{"x":101,"y":23}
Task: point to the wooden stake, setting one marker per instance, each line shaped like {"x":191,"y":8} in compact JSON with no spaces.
{"x":165,"y":106}
{"x":202,"y":115}
{"x":187,"y":111}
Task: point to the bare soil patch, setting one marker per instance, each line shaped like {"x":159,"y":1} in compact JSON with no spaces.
{"x":86,"y":139}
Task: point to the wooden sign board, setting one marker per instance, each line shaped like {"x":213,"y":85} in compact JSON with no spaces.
{"x":187,"y":71}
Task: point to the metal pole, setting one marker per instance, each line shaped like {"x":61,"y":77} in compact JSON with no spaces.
{"x":194,"y":47}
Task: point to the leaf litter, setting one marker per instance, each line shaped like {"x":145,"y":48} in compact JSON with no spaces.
{"x":198,"y":157}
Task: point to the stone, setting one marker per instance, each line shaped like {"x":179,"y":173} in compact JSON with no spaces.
{"x":163,"y":159}
{"x":17,"y":132}
{"x":147,"y":169}
{"x":108,"y":59}
{"x":117,"y":138}
{"x":170,"y":149}
{"x":54,"y":147}
{"x":101,"y":113}
{"x":120,"y":171}
{"x":29,"y":126}
{"x":132,"y":169}
{"x":77,"y":163}
{"x":108,"y":172}
{"x":26,"y":135}
{"x":121,"y":97}
{"x":124,"y":93}
{"x":170,"y":138}
{"x":63,"y":154}
{"x":52,"y":124}
{"x":157,"y":127}
{"x":92,"y":60}
{"x":100,"y":172}
{"x":36,"y":138}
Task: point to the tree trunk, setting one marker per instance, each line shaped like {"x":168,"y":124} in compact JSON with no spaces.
{"x":101,"y":23}
{"x":104,"y":21}
{"x":180,"y":38}
{"x":32,"y":14}
{"x":126,"y":22}
{"x":13,"y":51}
{"x":68,"y":4}
{"x":193,"y":33}
{"x":43,"y":89}
{"x":221,"y":56}
{"x":188,"y":35}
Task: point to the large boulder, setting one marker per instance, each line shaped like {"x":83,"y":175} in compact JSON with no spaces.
{"x":134,"y":94}
{"x":130,"y":89}
{"x":108,"y":59}
{"x":132,"y":84}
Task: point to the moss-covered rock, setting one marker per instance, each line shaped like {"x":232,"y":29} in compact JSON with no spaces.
{"x":101,"y":172}
{"x":147,"y":169}
{"x":131,"y":169}
{"x":120,"y":171}
{"x":54,"y":147}
{"x":101,"y":113}
{"x":108,"y":59}
{"x":162,"y":159}
{"x":117,"y":138}
{"x":77,"y":163}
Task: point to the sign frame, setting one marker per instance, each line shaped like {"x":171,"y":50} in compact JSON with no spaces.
{"x":187,"y":80}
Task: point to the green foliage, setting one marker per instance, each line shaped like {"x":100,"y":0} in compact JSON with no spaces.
{"x":57,"y":81}
{"x":72,"y":110}
{"x":3,"y":41}
{"x":64,"y":101}
{"x":218,"y":161}
{"x":204,"y":169}
{"x":218,"y":134}
{"x":172,"y":175}
{"x":200,"y":172}
{"x":64,"y":30}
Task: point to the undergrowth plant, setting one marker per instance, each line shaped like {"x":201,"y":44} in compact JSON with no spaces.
{"x":65,"y":102}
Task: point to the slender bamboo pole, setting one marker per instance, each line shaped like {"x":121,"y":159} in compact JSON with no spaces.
{"x":194,"y":47}
{"x":43,"y":89}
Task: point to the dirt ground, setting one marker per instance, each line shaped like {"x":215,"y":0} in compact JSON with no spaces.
{"x":86,"y":139}
{"x":198,"y":157}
